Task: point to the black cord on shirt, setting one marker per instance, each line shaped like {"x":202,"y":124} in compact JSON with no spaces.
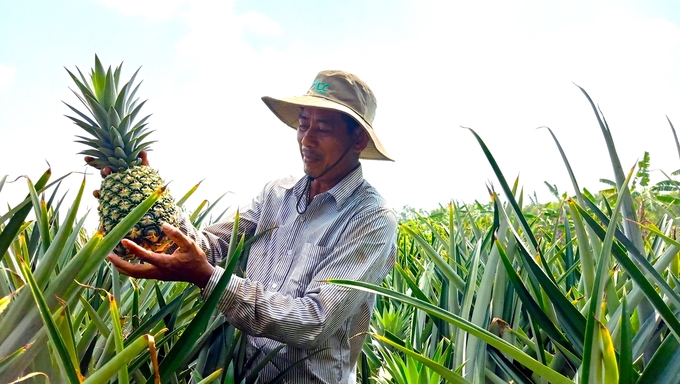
{"x":308,"y":184}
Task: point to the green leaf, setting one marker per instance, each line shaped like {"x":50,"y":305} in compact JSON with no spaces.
{"x":7,"y":360}
{"x":71,"y":371}
{"x":17,"y":218}
{"x":532,"y":308}
{"x":119,"y":361}
{"x":197,"y":223}
{"x":212,"y":377}
{"x":123,"y":377}
{"x":473,"y":329}
{"x":610,"y":368}
{"x":592,"y":361}
{"x":191,"y":334}
{"x":110,"y":91}
{"x":436,"y":258}
{"x":639,"y":278}
{"x":187,"y":195}
{"x":675,"y":135}
{"x":626,"y":371}
{"x":664,"y":367}
{"x":447,"y":374}
{"x":516,"y":374}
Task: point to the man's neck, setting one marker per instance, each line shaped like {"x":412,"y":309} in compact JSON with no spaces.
{"x":319,"y":186}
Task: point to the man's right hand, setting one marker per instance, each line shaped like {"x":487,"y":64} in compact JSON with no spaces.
{"x":188,"y":263}
{"x":105,"y":171}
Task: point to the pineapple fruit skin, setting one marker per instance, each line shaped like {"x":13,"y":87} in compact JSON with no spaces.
{"x":122,"y":191}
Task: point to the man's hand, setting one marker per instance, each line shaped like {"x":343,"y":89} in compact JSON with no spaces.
{"x":188,"y":263}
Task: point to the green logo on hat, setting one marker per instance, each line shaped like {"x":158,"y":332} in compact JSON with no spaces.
{"x":320,"y":87}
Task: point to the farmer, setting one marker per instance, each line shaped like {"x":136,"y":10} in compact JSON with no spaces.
{"x":329,"y":224}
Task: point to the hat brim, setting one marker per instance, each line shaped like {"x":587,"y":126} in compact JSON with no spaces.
{"x":288,"y":111}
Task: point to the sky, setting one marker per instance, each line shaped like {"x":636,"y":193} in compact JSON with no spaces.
{"x":501,"y":68}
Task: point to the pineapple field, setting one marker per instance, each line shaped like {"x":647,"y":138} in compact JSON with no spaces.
{"x":581,"y":289}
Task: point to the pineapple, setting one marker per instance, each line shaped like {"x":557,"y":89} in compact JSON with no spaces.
{"x":116,"y":138}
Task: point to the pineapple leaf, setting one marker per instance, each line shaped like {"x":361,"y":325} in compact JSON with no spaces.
{"x":140,"y":123}
{"x":84,"y":116}
{"x":135,"y":111}
{"x":119,"y":105}
{"x":93,"y":130}
{"x":99,"y":164}
{"x":626,"y":372}
{"x":102,"y":153}
{"x":120,"y":153}
{"x":98,"y":78}
{"x":141,"y":137}
{"x":98,"y":112}
{"x":132,"y":95}
{"x":141,"y":132}
{"x":70,"y":369}
{"x":132,"y":104}
{"x":82,"y":100}
{"x":141,"y":147}
{"x":87,"y":141}
{"x":113,"y":119}
{"x":122,"y":100}
{"x":122,"y":163}
{"x":116,"y":74}
{"x":109,"y":91}
{"x":532,"y":307}
{"x":84,"y":88}
{"x":124,"y":126}
{"x":132,"y":159}
{"x":116,"y":138}
{"x":84,"y":81}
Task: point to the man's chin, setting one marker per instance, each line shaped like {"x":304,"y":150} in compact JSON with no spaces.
{"x":312,"y":173}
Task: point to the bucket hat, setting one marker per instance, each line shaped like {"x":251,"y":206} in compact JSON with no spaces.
{"x":340,"y":91}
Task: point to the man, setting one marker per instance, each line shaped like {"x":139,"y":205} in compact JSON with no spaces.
{"x":330,"y":224}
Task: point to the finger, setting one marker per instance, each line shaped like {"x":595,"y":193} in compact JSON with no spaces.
{"x":142,"y":155}
{"x":142,"y":271}
{"x":105,"y":171}
{"x":177,"y":236}
{"x":141,"y":253}
{"x":89,"y":159}
{"x":95,"y":193}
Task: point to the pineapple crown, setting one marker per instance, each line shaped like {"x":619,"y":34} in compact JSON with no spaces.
{"x":115,"y":138}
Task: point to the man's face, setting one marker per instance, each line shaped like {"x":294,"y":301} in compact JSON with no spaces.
{"x":323,"y":139}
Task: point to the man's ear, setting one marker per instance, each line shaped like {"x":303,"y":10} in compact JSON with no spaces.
{"x":361,"y":140}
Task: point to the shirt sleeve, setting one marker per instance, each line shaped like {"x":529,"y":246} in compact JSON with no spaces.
{"x":365,"y":252}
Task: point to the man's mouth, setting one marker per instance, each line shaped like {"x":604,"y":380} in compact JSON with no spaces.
{"x":309,"y":156}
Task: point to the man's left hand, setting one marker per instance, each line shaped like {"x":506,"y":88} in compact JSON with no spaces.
{"x":188,"y":263}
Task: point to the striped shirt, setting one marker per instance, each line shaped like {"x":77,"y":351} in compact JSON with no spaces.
{"x":346,"y":233}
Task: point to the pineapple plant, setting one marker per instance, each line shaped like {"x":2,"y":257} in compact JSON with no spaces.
{"x":116,"y":137}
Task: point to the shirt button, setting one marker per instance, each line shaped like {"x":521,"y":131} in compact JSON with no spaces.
{"x":290,"y":252}
{"x":274,"y":285}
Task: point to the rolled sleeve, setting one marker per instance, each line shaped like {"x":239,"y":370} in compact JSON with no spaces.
{"x":229,"y":293}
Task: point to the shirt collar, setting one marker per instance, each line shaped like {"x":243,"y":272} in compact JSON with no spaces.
{"x":340,"y":191}
{"x":344,"y":189}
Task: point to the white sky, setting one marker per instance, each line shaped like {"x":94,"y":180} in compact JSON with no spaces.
{"x":501,"y":68}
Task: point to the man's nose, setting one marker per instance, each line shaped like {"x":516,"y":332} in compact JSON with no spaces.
{"x":309,"y":136}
